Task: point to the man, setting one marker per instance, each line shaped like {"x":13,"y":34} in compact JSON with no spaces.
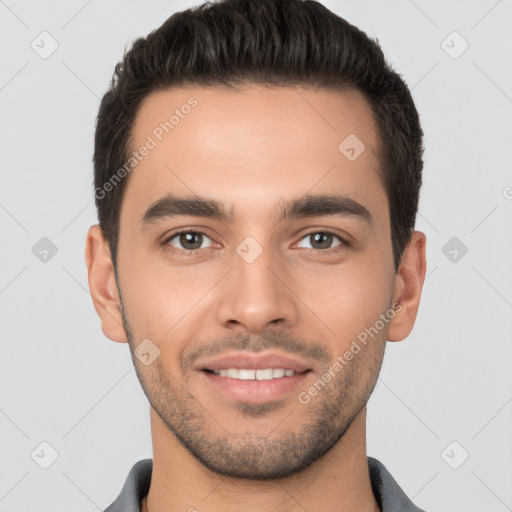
{"x":257,"y":175}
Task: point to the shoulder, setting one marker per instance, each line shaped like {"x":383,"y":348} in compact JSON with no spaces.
{"x":388,"y":493}
{"x":135,"y":488}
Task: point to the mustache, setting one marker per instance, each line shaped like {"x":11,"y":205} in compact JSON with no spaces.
{"x":283,"y":341}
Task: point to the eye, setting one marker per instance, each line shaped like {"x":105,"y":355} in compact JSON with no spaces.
{"x":189,"y":242}
{"x":322,"y":240}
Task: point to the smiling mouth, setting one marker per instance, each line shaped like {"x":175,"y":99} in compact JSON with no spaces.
{"x":254,"y":374}
{"x":255,"y":385}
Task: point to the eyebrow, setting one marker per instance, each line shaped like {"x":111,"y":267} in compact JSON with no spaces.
{"x":171,"y":206}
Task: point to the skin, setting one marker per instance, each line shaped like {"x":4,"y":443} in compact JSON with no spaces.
{"x":250,"y":150}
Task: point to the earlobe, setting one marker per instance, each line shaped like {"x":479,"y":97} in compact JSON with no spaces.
{"x":103,"y":286}
{"x":408,"y":286}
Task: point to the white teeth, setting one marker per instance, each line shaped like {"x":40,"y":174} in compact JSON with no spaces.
{"x":264,"y":374}
{"x":246,"y":374}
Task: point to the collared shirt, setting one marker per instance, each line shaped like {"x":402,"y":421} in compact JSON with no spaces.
{"x":389,"y":495}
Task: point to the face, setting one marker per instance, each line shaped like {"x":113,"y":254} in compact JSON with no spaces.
{"x":254,"y":257}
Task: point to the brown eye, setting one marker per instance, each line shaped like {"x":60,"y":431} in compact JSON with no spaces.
{"x":187,"y":241}
{"x":323,"y":240}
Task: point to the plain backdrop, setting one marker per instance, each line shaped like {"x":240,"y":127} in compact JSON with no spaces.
{"x":441,"y":415}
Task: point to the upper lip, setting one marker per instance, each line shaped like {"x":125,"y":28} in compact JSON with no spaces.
{"x":253,"y":361}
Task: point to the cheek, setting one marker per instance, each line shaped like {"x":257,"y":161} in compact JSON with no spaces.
{"x":349,"y":299}
{"x":156,"y":294}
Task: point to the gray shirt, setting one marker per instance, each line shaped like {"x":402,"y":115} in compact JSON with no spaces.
{"x":388,"y":493}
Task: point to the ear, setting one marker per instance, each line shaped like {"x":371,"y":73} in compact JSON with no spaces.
{"x":103,"y":286}
{"x":408,"y":286}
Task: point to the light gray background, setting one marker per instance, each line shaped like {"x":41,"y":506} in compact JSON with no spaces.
{"x":62,"y":381}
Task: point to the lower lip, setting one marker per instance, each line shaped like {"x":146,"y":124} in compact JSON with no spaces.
{"x":255,"y":391}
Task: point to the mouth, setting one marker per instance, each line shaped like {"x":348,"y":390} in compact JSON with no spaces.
{"x":254,"y":378}
{"x":251,"y":374}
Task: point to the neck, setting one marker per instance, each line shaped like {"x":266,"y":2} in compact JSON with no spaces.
{"x":336,"y":482}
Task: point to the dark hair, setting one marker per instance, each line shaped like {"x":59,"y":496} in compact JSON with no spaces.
{"x":274,"y":42}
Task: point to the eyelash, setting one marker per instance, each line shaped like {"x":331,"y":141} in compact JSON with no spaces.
{"x":194,"y":252}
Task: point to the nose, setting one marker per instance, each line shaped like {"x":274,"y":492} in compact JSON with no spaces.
{"x":257,"y":293}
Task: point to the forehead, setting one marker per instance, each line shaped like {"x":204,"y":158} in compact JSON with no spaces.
{"x":254,"y":146}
